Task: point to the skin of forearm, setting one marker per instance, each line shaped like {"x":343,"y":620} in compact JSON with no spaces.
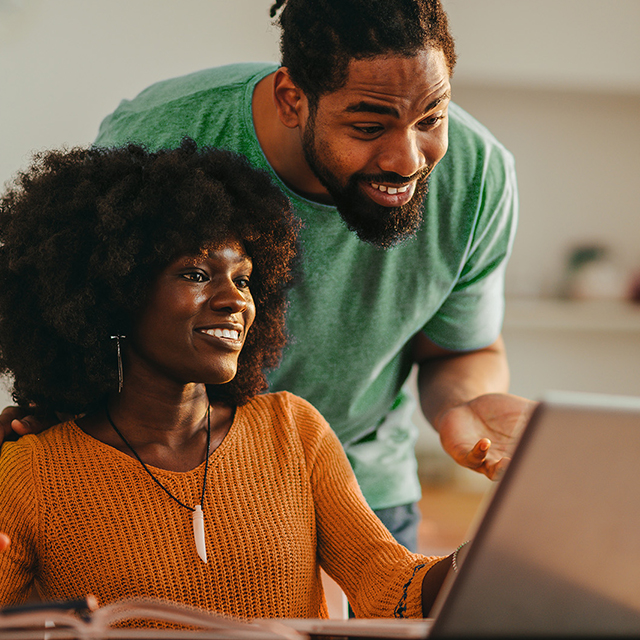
{"x":432,"y":583}
{"x":448,"y":379}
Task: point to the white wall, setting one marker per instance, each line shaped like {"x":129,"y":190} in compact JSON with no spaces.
{"x":561,"y":44}
{"x":558,"y":82}
{"x":577,"y":156}
{"x":65,"y":64}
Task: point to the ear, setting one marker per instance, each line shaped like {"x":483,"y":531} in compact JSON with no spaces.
{"x":291,"y":103}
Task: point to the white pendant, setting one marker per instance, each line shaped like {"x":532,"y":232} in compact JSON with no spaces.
{"x":198,"y":532}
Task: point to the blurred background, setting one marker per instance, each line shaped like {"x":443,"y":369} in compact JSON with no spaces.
{"x":557,"y":81}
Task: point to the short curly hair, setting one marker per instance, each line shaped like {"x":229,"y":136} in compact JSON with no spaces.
{"x":319,"y":38}
{"x":85,"y":232}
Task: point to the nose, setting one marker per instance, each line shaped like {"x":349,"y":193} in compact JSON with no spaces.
{"x":229,"y":299}
{"x":402,"y":154}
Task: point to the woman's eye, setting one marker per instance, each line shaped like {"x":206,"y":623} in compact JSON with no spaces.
{"x":194,"y":276}
{"x":242,"y":283}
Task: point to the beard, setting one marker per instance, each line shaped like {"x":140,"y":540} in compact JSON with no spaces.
{"x":380,"y":226}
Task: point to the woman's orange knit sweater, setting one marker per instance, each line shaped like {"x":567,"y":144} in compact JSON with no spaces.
{"x":281,"y":501}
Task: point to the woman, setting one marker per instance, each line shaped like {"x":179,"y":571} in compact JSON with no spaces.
{"x":144,"y":293}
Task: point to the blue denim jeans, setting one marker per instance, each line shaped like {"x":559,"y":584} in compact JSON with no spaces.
{"x":403,"y":523}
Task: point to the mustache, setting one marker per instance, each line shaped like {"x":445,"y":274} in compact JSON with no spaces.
{"x":393,"y":178}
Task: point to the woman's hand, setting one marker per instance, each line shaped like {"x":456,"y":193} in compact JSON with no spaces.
{"x":432,"y":583}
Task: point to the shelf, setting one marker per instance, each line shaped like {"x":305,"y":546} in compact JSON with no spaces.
{"x":572,"y":315}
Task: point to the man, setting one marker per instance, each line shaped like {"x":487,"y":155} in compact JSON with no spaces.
{"x":354,"y":126}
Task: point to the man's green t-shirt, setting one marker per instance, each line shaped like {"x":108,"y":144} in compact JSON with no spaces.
{"x":356,"y":307}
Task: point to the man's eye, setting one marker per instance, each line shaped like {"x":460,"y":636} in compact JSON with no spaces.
{"x":373,"y":129}
{"x":432,"y":120}
{"x":242,"y":283}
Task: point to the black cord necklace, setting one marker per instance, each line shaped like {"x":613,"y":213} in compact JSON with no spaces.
{"x":198,"y":515}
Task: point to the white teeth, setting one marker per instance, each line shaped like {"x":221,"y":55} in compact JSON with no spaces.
{"x":390,"y":190}
{"x":223,"y":333}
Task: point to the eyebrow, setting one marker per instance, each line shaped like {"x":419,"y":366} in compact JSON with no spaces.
{"x":372,"y":107}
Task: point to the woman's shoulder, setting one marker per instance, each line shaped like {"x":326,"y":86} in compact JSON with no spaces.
{"x":52,"y":441}
{"x":33,"y":441}
{"x":291,"y":414}
{"x":60,"y":434}
{"x":286,"y":406}
{"x":19,"y":460}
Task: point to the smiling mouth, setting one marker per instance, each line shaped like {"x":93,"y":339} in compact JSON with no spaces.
{"x":390,"y":190}
{"x":389,"y":195}
{"x":230,"y":334}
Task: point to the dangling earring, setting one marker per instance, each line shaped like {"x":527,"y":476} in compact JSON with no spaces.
{"x":120,"y":374}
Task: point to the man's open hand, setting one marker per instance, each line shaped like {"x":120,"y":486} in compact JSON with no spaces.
{"x":481,"y":434}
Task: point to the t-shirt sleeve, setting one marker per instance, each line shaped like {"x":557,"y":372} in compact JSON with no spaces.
{"x":471,"y":315}
{"x":380,"y":577}
{"x":18,"y":518}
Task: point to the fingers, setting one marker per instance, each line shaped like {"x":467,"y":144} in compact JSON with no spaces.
{"x":499,"y":468}
{"x":14,"y":420}
{"x":27,"y":424}
{"x":4,"y":541}
{"x":11,"y":413}
{"x":495,"y":471}
{"x":8,"y":415}
{"x":477,"y":460}
{"x":477,"y":456}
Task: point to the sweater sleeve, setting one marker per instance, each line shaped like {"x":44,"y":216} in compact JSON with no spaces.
{"x":18,"y":518}
{"x":380,"y":577}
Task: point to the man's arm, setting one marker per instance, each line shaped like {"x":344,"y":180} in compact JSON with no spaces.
{"x":464,"y":397}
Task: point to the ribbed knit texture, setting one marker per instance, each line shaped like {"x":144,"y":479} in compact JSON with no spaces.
{"x":281,"y":500}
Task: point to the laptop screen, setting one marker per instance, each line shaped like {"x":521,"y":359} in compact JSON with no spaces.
{"x":557,"y":550}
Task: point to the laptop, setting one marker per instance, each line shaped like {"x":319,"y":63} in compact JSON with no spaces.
{"x":556,"y":550}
